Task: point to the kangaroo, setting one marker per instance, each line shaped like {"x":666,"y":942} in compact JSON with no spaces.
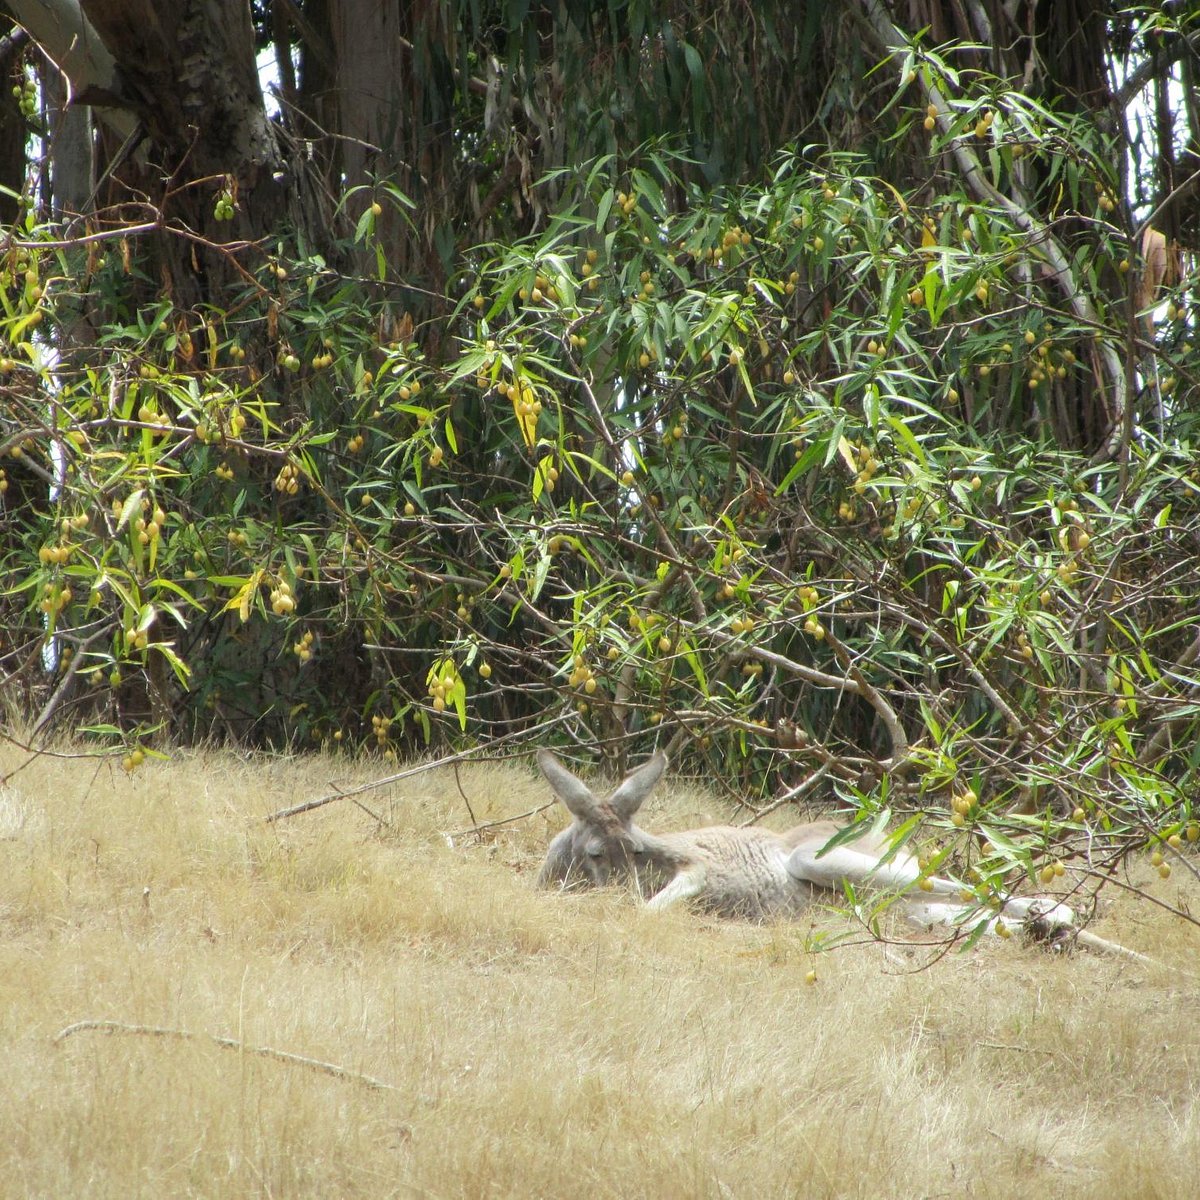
{"x":753,"y":873}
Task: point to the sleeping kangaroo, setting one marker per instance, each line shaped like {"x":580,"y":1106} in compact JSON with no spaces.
{"x":753,"y":873}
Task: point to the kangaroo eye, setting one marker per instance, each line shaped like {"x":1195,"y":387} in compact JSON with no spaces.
{"x":594,"y":849}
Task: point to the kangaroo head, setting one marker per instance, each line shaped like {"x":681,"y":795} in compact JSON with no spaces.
{"x":602,"y":844}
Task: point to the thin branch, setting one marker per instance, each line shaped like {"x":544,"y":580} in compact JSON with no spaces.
{"x":105,"y":235}
{"x":1157,"y":742}
{"x":1019,"y":210}
{"x":1151,"y":69}
{"x":460,"y":756}
{"x":465,"y":798}
{"x":1187,"y":185}
{"x":283,"y":1056}
{"x":477,"y":830}
{"x":1108,"y":877}
{"x":876,"y":699}
{"x":72,"y":669}
{"x":805,"y":785}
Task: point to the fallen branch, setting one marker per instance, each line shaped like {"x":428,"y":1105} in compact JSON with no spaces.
{"x":283,"y":1056}
{"x":478,"y":830}
{"x":459,"y":756}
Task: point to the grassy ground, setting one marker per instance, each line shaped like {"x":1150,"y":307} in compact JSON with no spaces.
{"x":535,"y":1045}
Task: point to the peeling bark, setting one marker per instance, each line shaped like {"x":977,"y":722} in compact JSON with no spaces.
{"x":184,"y":76}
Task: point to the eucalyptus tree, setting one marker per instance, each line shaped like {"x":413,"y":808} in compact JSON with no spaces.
{"x":812,"y":382}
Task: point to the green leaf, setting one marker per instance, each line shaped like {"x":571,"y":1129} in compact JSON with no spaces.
{"x":607,"y":200}
{"x":182,"y":671}
{"x":131,"y":507}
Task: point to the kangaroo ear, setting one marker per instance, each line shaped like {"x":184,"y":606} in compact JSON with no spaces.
{"x":632,"y":791}
{"x":573,"y":792}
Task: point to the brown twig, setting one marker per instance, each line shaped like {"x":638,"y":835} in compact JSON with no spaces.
{"x":283,"y":1056}
{"x":459,"y":756}
{"x":477,"y":830}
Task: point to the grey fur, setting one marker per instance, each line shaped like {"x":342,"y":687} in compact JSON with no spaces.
{"x":726,"y":870}
{"x":752,"y":872}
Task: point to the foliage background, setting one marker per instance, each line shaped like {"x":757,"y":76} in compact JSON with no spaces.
{"x":812,"y":391}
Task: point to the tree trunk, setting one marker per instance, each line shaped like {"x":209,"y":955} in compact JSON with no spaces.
{"x":188,"y":73}
{"x":72,"y":152}
{"x":65,"y":36}
{"x":181,"y":78}
{"x":13,"y":131}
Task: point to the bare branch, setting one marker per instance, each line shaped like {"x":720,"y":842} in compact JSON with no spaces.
{"x":284,"y":1056}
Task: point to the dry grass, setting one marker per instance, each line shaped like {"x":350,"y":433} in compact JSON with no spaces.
{"x":536,"y":1044}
